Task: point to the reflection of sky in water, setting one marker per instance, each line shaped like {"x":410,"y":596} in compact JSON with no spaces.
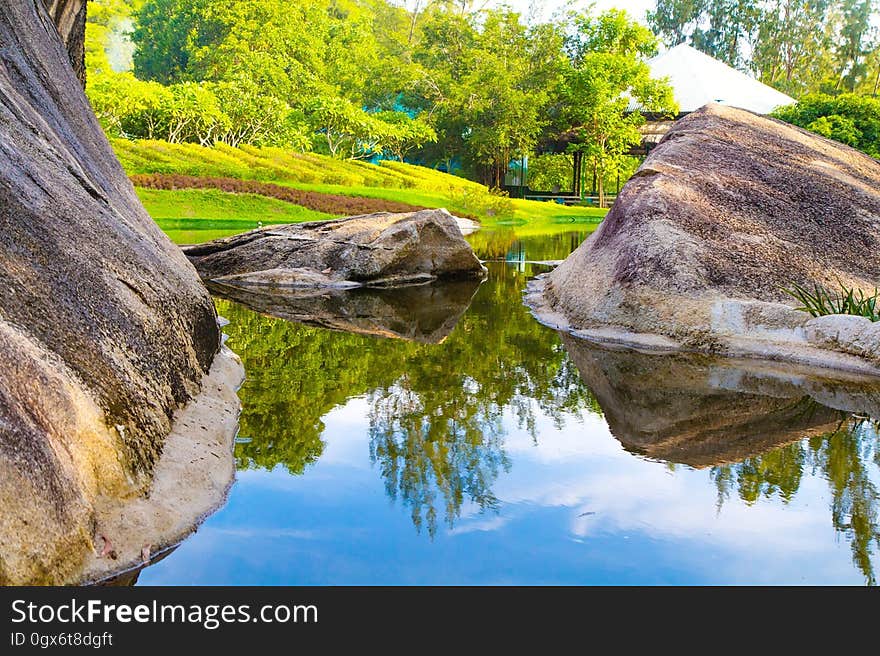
{"x":575,"y":509}
{"x":397,"y":440}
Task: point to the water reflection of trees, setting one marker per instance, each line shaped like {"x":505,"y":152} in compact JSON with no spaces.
{"x":556,"y":243}
{"x":435,"y":417}
{"x":843,"y":458}
{"x":436,"y":429}
{"x":436,"y":450}
{"x":775,"y":424}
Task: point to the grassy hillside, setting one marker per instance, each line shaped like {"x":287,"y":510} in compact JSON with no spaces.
{"x":325,"y":187}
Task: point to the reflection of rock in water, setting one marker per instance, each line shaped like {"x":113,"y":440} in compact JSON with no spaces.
{"x":129,"y":578}
{"x":420,"y":313}
{"x":703,"y":411}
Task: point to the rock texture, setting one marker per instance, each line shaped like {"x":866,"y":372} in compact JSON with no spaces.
{"x":703,"y":411}
{"x":69,"y":17}
{"x":105,"y":329}
{"x":372,"y":250}
{"x":417,"y":313}
{"x":727,"y":211}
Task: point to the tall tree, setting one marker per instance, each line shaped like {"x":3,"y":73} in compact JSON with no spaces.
{"x":675,"y":20}
{"x":854,"y":45}
{"x":723,"y":29}
{"x":607,"y":73}
{"x":798,"y":46}
{"x":488,"y":82}
{"x":793,"y":49}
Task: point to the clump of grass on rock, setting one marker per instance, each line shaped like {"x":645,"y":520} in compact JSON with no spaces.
{"x":820,"y":301}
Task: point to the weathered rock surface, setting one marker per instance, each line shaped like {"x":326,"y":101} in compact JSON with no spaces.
{"x":702,"y":411}
{"x":417,"y":313}
{"x":730,"y":209}
{"x":377,"y":250}
{"x":69,"y":17}
{"x":105,"y":329}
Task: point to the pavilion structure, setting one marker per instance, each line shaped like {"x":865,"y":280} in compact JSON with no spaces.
{"x":698,"y":79}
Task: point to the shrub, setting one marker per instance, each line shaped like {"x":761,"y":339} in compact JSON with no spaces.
{"x":849,"y":118}
{"x":493,"y":203}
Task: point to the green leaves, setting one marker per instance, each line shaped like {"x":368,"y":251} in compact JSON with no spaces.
{"x":607,"y":71}
{"x":819,"y":301}
{"x":848,"y":118}
{"x":489,"y":85}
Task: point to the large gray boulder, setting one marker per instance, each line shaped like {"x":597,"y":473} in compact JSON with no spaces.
{"x":69,"y":17}
{"x":728,"y":211}
{"x":376,"y":250}
{"x":105,"y":334}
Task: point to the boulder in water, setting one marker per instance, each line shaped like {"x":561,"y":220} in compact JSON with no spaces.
{"x":375,"y":250}
{"x":726,"y":213}
{"x":109,"y":343}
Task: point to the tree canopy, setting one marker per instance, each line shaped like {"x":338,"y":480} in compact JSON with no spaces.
{"x":797,"y":46}
{"x":450,"y":84}
{"x":440,"y":83}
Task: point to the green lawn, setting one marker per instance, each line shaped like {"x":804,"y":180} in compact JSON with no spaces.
{"x":215,"y":204}
{"x":190,"y":215}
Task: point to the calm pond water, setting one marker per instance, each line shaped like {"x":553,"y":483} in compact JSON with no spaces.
{"x":487,"y":449}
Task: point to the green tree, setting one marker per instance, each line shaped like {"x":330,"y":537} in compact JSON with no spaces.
{"x":128,"y":107}
{"x":193,"y":114}
{"x":675,"y":20}
{"x":258,"y":119}
{"x":855,"y":42}
{"x":165,"y":31}
{"x":488,"y":82}
{"x":404,"y":134}
{"x":607,"y":73}
{"x":720,"y":28}
{"x":793,"y":49}
{"x":346,"y":130}
{"x":797,"y":46}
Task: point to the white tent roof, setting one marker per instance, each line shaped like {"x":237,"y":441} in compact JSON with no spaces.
{"x":697,"y":79}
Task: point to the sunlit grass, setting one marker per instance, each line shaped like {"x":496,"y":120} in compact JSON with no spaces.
{"x":393,"y":181}
{"x":220,"y":205}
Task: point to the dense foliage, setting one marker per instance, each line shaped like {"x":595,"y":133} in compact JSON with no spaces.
{"x":455,"y":85}
{"x":607,"y":74}
{"x":798,"y":46}
{"x":848,"y":118}
{"x":439,"y":83}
